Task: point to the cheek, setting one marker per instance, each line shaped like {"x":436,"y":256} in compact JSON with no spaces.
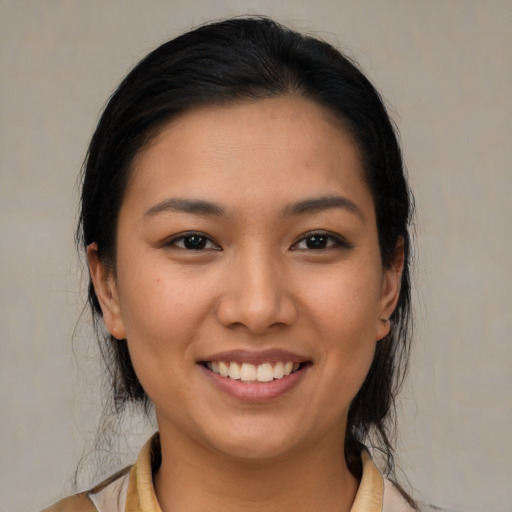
{"x":154,"y":304}
{"x":346,"y":311}
{"x":161,"y":320}
{"x":164,"y":318}
{"x":346,"y":298}
{"x":348,"y":358}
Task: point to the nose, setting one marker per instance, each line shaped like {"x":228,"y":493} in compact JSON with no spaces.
{"x":257,"y":294}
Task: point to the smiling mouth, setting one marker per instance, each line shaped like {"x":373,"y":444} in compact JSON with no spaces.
{"x":247,"y":372}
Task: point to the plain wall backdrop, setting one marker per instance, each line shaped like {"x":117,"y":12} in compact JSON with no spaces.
{"x":444,"y":67}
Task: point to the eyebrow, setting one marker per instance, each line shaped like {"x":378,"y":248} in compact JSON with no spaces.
{"x":194,"y":206}
{"x":318,"y":204}
{"x":207,"y":208}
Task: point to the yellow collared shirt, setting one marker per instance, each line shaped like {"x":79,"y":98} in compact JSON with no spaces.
{"x":132,"y":490}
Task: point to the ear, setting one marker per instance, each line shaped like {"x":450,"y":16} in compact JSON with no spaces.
{"x":106,"y":291}
{"x":390,"y":290}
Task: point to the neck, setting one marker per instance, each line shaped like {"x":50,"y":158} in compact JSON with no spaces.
{"x":194,"y":478}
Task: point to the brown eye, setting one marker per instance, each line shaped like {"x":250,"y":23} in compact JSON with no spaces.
{"x":319,"y":241}
{"x":194,"y":242}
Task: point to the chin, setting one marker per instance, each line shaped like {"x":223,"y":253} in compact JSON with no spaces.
{"x":257,"y":443}
{"x":254,"y":450}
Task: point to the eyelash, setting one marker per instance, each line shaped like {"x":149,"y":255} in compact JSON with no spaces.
{"x":193,"y":234}
{"x":332,"y":242}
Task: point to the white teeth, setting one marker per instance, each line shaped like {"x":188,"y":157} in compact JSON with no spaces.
{"x":223,"y":369}
{"x":279,"y":370}
{"x":234,"y":371}
{"x":265,"y":372}
{"x":247,"y":372}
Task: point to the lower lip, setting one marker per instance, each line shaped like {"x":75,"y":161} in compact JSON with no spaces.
{"x":255,"y":391}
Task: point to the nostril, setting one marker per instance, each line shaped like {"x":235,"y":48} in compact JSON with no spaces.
{"x":256,"y":300}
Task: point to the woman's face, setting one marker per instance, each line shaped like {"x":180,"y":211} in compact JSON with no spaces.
{"x":247,"y":246}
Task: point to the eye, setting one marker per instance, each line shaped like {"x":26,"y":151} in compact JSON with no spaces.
{"x":193,"y":242}
{"x":320,"y":241}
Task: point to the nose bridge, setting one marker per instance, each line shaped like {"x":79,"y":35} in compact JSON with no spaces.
{"x":256,"y":295}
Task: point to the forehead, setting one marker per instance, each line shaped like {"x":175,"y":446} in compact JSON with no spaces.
{"x":262,"y":150}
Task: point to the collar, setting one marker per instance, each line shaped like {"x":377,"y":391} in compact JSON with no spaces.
{"x":141,"y":495}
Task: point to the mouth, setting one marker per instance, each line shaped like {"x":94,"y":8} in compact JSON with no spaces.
{"x":255,"y":376}
{"x":252,"y":373}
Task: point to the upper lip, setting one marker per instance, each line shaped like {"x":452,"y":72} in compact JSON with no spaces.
{"x":256,"y":357}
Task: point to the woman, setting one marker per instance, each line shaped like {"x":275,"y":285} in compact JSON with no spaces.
{"x":245,"y":216}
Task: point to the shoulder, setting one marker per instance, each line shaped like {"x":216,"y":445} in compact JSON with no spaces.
{"x":77,"y":503}
{"x":110,"y":492}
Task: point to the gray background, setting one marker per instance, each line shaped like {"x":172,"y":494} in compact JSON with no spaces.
{"x":446,"y":69}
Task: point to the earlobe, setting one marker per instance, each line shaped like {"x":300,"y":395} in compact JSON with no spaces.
{"x":106,"y":291}
{"x":390,"y":290}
